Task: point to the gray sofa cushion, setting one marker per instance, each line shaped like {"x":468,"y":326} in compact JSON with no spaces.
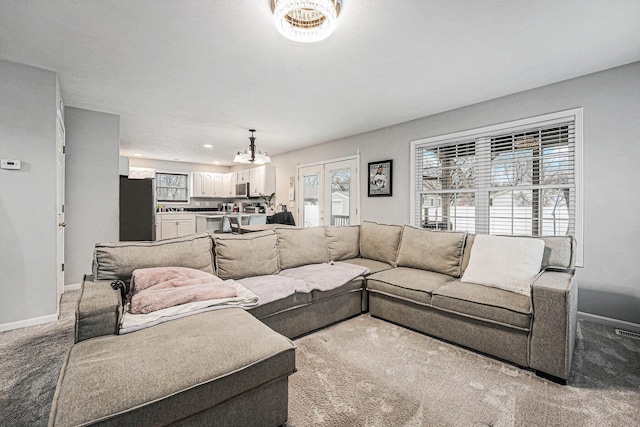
{"x":407,"y":283}
{"x":484,"y":303}
{"x":302,"y":246}
{"x":98,"y":310}
{"x":373,"y":265}
{"x":117,"y":260}
{"x":245,"y":255}
{"x":559,"y":252}
{"x":145,"y":378}
{"x":380,"y":242}
{"x":343,"y":242}
{"x":438,"y":251}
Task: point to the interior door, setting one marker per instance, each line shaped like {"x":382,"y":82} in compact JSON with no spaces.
{"x":60,"y":196}
{"x":329,"y":193}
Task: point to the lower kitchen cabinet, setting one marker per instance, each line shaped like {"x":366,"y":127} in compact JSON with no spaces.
{"x":176,"y":225}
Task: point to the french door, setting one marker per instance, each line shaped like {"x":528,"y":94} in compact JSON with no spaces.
{"x":329,"y":193}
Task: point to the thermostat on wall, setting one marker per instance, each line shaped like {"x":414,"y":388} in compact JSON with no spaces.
{"x":10,"y":164}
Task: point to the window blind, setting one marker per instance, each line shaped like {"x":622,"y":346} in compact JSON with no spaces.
{"x":518,"y":181}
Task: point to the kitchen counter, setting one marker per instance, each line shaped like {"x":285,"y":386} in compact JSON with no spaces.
{"x":216,"y":221}
{"x":193,"y":213}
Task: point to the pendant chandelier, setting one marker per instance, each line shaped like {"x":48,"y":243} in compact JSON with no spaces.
{"x":251,"y":155}
{"x":306,"y":20}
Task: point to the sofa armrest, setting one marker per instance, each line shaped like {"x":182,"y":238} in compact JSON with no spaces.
{"x":98,"y":310}
{"x":553,"y":332}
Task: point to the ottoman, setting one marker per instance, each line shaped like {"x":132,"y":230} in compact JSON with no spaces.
{"x":222,"y":367}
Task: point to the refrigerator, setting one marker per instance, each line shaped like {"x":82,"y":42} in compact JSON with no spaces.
{"x":137,"y":209}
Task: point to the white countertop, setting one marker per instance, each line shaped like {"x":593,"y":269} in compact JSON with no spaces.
{"x":217,"y":214}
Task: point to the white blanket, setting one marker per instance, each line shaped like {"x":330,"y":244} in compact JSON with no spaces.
{"x":135,"y":322}
{"x":325,"y":277}
{"x":274,"y":287}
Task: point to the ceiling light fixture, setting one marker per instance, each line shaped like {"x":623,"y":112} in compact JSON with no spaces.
{"x":251,"y":155}
{"x":306,"y":20}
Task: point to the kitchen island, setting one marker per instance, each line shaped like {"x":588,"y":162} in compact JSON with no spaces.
{"x":219,"y":221}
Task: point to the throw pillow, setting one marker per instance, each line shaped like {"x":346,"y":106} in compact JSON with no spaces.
{"x":509,"y":263}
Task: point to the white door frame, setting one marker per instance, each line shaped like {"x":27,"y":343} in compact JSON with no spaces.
{"x":60,"y":201}
{"x":323,"y":164}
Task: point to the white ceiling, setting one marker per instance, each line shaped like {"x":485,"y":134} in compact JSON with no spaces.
{"x":186,"y":73}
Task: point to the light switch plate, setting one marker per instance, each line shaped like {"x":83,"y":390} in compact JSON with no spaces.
{"x":10,"y":164}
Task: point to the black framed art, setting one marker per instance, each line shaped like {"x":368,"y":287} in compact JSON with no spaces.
{"x":380,"y":178}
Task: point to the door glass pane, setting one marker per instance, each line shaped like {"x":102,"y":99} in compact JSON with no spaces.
{"x":340,"y":196}
{"x":311,"y":210}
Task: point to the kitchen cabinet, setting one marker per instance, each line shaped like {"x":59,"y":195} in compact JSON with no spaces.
{"x":229,"y":181}
{"x":176,"y":225}
{"x":262,"y":180}
{"x":141,"y":173}
{"x":218,"y":184}
{"x":204,"y":184}
{"x":243,"y":176}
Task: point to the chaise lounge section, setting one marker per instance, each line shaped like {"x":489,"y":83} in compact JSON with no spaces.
{"x":410,"y":276}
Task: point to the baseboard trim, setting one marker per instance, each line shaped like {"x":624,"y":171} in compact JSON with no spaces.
{"x":28,"y":322}
{"x":72,"y":287}
{"x":621,"y":324}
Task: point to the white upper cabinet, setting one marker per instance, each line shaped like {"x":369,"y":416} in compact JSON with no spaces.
{"x":141,"y":173}
{"x":205,"y":184}
{"x":229,"y":181}
{"x":218,"y":184}
{"x":243,"y":176}
{"x":262,"y":180}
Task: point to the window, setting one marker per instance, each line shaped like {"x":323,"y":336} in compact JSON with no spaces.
{"x":517,"y":178}
{"x":172,"y":187}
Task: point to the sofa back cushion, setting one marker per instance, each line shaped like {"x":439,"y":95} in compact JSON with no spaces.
{"x":246,"y":255}
{"x":437,"y":251}
{"x":302,"y":246}
{"x":559,"y":252}
{"x":343,"y":242}
{"x":117,"y":260}
{"x":380,"y":242}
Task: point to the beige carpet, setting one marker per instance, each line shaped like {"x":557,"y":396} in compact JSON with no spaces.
{"x":368,"y":372}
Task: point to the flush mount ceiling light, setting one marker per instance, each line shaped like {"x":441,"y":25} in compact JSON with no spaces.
{"x":251,"y":155}
{"x":306,"y":20}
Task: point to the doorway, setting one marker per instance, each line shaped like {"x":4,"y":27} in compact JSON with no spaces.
{"x":60,"y":196}
{"x":329,"y":193}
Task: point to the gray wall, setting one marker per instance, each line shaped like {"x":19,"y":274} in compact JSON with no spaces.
{"x":27,"y":196}
{"x":92,"y":187}
{"x":609,"y":283}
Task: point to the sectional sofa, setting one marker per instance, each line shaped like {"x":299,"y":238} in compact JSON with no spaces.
{"x":230,"y":367}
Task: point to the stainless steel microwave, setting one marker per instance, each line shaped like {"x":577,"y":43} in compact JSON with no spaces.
{"x":242,"y":189}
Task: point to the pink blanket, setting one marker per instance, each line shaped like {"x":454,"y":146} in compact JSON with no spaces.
{"x":144,"y":278}
{"x":157,"y":288}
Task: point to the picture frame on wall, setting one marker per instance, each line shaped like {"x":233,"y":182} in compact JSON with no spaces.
{"x":380,"y":178}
